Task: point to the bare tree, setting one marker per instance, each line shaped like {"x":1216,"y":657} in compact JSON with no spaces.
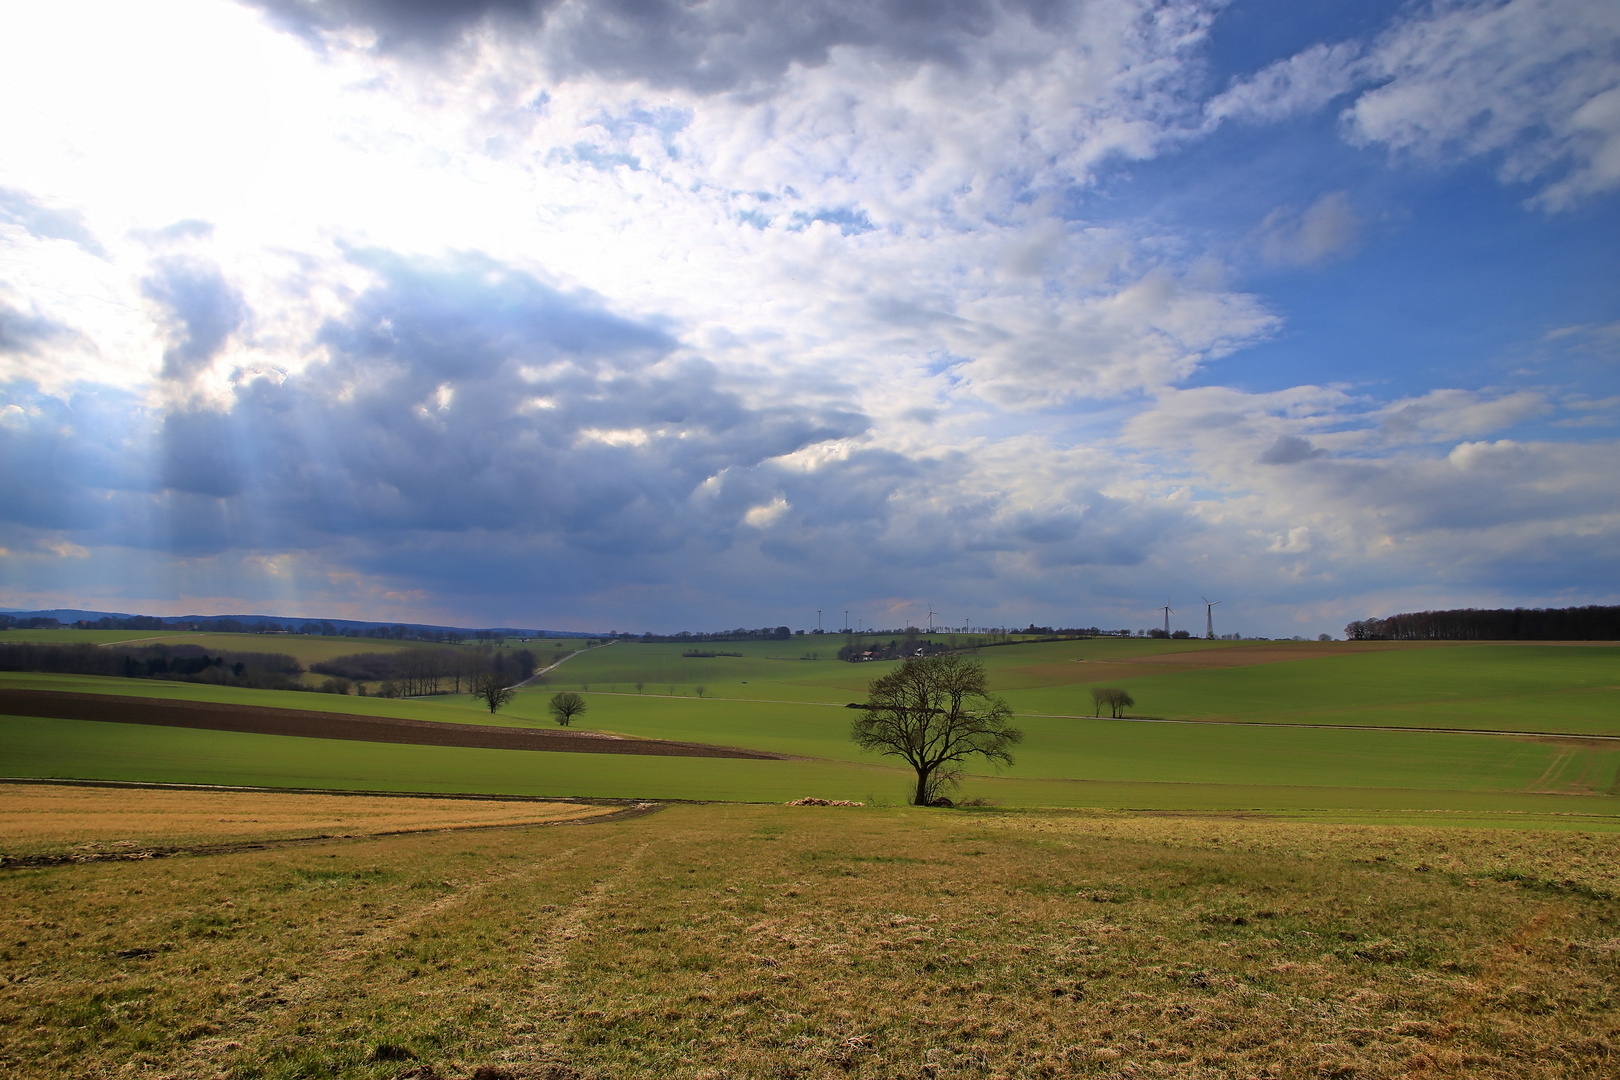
{"x":935,"y":713}
{"x":492,"y":689}
{"x":1117,"y":701}
{"x":565,"y":706}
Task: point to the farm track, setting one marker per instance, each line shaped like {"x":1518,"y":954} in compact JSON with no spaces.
{"x":260,"y":720}
{"x":139,"y":854}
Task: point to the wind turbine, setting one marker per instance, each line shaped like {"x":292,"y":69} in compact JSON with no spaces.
{"x":1168,"y":611}
{"x":818,"y":620}
{"x":1209,"y":617}
{"x":846,"y":620}
{"x":931,"y":614}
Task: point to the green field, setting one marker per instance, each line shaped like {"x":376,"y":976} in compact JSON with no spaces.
{"x":1303,"y":728}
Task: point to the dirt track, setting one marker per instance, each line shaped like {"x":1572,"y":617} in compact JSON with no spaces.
{"x":258,"y":720}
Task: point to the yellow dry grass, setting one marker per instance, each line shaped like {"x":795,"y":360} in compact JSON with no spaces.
{"x":68,"y":819}
{"x":821,"y":943}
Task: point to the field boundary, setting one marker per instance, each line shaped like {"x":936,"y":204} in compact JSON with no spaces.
{"x":1329,"y":727}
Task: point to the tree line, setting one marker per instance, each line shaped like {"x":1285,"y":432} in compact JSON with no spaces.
{"x":1589,"y":623}
{"x":224,"y":624}
{"x":183,"y":663}
{"x":419,"y":672}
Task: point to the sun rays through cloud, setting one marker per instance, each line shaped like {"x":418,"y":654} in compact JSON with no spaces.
{"x":712,"y":315}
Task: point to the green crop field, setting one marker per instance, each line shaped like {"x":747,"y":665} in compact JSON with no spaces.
{"x":1283,"y":726}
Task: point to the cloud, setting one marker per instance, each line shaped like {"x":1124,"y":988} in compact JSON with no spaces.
{"x":1300,"y":84}
{"x":45,"y":222}
{"x":205,"y":310}
{"x":1533,"y":83}
{"x":432,"y":24}
{"x":1289,"y":450}
{"x":1328,"y":227}
{"x":707,"y":48}
{"x":1447,"y":414}
{"x":24,"y":333}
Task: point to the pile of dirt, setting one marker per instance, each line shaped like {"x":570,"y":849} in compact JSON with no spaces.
{"x":258,"y":720}
{"x":811,"y":801}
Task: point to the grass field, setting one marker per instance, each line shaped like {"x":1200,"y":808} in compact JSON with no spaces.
{"x":1276,"y":755}
{"x":735,"y":941}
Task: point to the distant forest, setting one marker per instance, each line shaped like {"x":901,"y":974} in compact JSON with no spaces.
{"x":414,"y":672}
{"x":183,"y":663}
{"x":403,"y":673}
{"x":216,"y":624}
{"x":1591,"y":623}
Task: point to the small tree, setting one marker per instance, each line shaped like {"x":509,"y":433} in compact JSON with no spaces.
{"x":492,"y":689}
{"x":1117,"y":701}
{"x":699,"y":690}
{"x":935,"y":713}
{"x":565,"y":706}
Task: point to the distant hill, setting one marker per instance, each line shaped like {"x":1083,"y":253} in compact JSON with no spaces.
{"x":261,"y":624}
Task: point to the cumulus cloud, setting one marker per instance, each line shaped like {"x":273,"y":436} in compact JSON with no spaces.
{"x":203,"y":308}
{"x":629,"y":310}
{"x":1327,"y":228}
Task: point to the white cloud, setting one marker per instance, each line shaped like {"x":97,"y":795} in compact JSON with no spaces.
{"x":1535,"y":83}
{"x":766,"y":515}
{"x":1328,"y":227}
{"x":1300,"y":84}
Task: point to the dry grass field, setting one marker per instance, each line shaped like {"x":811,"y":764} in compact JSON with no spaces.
{"x":775,"y":942}
{"x":85,"y":822}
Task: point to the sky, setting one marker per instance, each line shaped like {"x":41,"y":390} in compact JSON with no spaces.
{"x":656,"y":315}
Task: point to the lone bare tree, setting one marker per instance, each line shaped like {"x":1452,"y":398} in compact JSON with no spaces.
{"x":565,"y":706}
{"x":493,"y":689}
{"x":1116,"y":700}
{"x":936,"y":713}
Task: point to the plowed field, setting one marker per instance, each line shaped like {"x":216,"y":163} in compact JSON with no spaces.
{"x":320,"y":725}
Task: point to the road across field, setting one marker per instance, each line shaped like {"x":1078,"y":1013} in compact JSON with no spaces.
{"x":259,"y":720}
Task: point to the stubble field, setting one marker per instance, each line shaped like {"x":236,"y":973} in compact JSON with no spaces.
{"x":737,"y":941}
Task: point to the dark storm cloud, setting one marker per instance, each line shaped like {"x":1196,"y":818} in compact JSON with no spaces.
{"x":206,"y":309}
{"x":397,"y":23}
{"x":466,"y":397}
{"x":19,"y":208}
{"x":709,"y":47}
{"x":61,"y":458}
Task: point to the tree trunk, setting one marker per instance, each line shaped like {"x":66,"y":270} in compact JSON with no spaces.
{"x":921,"y":798}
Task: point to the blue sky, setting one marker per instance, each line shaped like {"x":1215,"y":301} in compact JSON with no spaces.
{"x":592,"y":315}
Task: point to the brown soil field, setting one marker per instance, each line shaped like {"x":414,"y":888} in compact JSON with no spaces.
{"x":89,"y":822}
{"x":320,"y":725}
